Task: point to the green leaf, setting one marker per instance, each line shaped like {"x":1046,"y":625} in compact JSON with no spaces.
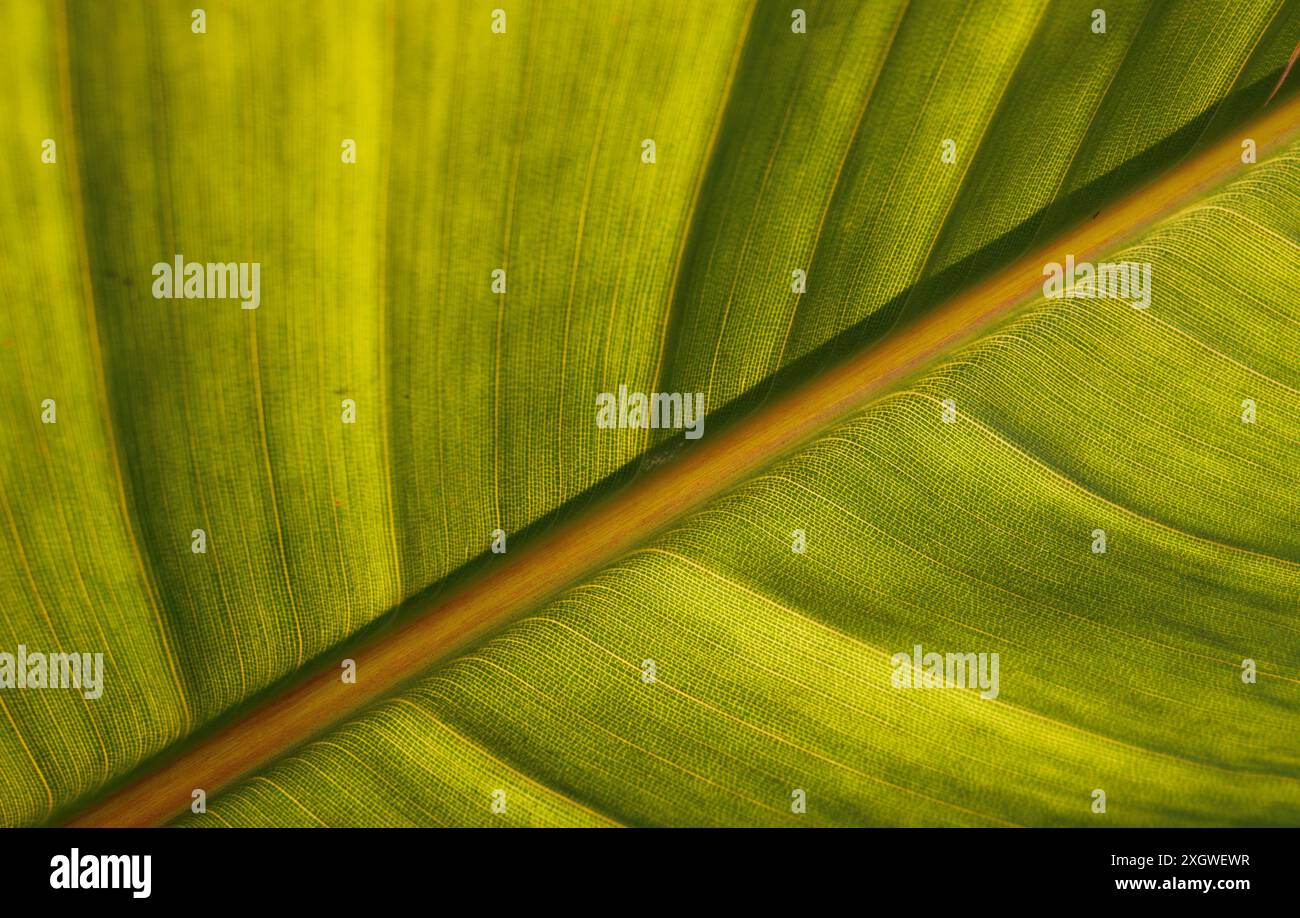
{"x":775,"y":151}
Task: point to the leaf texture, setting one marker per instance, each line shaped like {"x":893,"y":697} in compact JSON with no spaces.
{"x":775,"y":152}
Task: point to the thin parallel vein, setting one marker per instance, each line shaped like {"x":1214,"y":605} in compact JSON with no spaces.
{"x":49,"y":624}
{"x":218,"y":567}
{"x":832,"y":195}
{"x":745,"y":243}
{"x":332,"y":492}
{"x":451,"y":127}
{"x":692,"y":209}
{"x":218,"y":817}
{"x":583,"y":207}
{"x":397,"y":791}
{"x":1285,"y":73}
{"x":1122,"y":509}
{"x":259,"y":401}
{"x":431,"y":691}
{"x":381,"y":292}
{"x":84,"y":591}
{"x":1118,"y":632}
{"x":199,"y":485}
{"x":27,"y":750}
{"x":1059,"y":662}
{"x":1062,"y":662}
{"x":1200,"y":342}
{"x":1262,"y":304}
{"x":485,"y":661}
{"x":1232,"y":288}
{"x":828,"y":697}
{"x":742,"y":758}
{"x":1204,"y":345}
{"x":1014,"y":340}
{"x":902,"y":167}
{"x":1255,"y":225}
{"x":1068,"y":172}
{"x":332,"y":460}
{"x":512,"y":188}
{"x":1128,"y":636}
{"x":1245,"y":61}
{"x":611,"y":323}
{"x":968,"y":165}
{"x":520,"y":776}
{"x":200,"y":492}
{"x":264,"y":441}
{"x":933,"y":83}
{"x":721,"y":752}
{"x":812,"y":753}
{"x":991,"y":525}
{"x":77,"y":198}
{"x":1016,"y":709}
{"x":262,"y":779}
{"x":339,"y":789}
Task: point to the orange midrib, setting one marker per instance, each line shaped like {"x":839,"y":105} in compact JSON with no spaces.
{"x":525,"y":579}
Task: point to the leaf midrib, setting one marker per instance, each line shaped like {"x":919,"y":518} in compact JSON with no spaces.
{"x":314,"y":699}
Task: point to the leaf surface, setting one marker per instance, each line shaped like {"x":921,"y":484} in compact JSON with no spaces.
{"x":774,"y":152}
